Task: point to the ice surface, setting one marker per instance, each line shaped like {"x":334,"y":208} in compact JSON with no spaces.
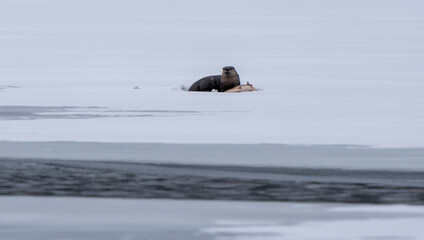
{"x":332,"y":72}
{"x":402,"y":229}
{"x":35,"y":218}
{"x":255,"y":155}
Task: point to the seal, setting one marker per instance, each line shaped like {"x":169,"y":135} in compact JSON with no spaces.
{"x":227,"y":80}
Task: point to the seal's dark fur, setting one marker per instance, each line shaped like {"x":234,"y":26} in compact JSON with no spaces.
{"x":207,"y":84}
{"x":221,"y":83}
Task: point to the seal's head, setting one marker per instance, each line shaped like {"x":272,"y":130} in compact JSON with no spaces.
{"x":228,"y":70}
{"x":229,"y":78}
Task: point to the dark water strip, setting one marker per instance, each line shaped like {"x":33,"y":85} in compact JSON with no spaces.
{"x":136,"y":180}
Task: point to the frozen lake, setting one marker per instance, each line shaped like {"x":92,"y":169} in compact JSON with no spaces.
{"x":35,"y":218}
{"x":91,"y":104}
{"x":259,"y":155}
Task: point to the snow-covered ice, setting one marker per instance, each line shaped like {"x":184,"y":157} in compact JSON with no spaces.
{"x":332,"y":72}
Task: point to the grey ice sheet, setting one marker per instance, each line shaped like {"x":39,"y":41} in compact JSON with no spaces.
{"x":71,"y":112}
{"x":35,"y":218}
{"x":269,"y":155}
